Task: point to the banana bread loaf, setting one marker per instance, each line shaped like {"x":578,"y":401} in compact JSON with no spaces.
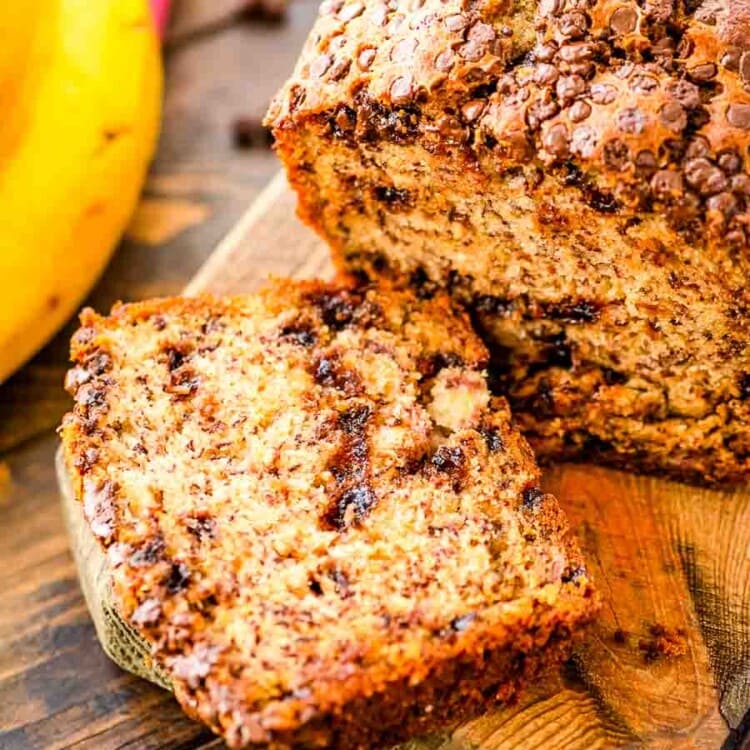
{"x":315,"y":513}
{"x":576,"y":172}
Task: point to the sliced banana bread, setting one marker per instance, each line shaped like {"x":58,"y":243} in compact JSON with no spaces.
{"x":575,"y":171}
{"x":316,"y":514}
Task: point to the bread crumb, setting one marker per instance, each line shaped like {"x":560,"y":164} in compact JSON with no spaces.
{"x":667,"y":643}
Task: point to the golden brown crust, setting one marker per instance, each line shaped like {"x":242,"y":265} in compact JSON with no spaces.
{"x":651,"y":102}
{"x":315,"y":512}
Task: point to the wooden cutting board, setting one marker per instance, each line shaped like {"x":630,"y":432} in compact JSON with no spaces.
{"x":666,"y":666}
{"x":671,"y":561}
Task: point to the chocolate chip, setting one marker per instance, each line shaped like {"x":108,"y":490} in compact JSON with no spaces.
{"x":573,"y":575}
{"x":175,"y":359}
{"x":320,"y":65}
{"x":472,"y":51}
{"x":532,"y":498}
{"x":448,"y":459}
{"x":339,"y":69}
{"x":584,"y":141}
{"x":623,"y":20}
{"x":613,"y":377}
{"x":574,"y":24}
{"x":667,"y":183}
{"x":569,"y":311}
{"x":148,"y":554}
{"x":351,"y":11}
{"x":736,"y":237}
{"x":194,"y":667}
{"x":546,"y":52}
{"x":456,"y":22}
{"x":740,"y":184}
{"x":555,"y":140}
{"x":616,"y":154}
{"x":744,"y":386}
{"x":686,"y":93}
{"x":360,"y":498}
{"x":445,"y":60}
{"x":481,"y":32}
{"x":473,"y":110}
{"x":539,"y":111}
{"x":645,"y":164}
{"x":403,"y":51}
{"x":297,"y":96}
{"x":353,"y":420}
{"x":698,"y":147}
{"x":663,"y":47}
{"x":643,"y":84}
{"x":730,"y":162}
{"x":704,"y":72}
{"x":577,"y":52}
{"x":579,"y":111}
{"x":673,"y":116}
{"x":343,"y":122}
{"x":603,"y":93}
{"x":738,"y":115}
{"x":75,"y":378}
{"x":704,"y":176}
{"x":545,"y":74}
{"x":392,"y":196}
{"x":178,"y":579}
{"x":632,"y":120}
{"x":685,"y":47}
{"x":724,"y":203}
{"x":300,"y":334}
{"x":706,"y":12}
{"x":340,"y":580}
{"x":201,"y":526}
{"x":569,"y":87}
{"x":402,"y":89}
{"x":147,"y":613}
{"x":731,"y":59}
{"x":744,"y":68}
{"x":99,"y":507}
{"x":492,"y":439}
{"x":366,"y":58}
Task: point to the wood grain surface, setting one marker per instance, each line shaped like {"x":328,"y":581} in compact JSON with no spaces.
{"x":668,"y":663}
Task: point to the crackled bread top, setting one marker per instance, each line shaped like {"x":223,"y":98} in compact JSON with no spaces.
{"x":309,"y":494}
{"x":649,"y":102}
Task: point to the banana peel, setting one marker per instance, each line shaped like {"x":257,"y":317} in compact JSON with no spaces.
{"x":80,"y":87}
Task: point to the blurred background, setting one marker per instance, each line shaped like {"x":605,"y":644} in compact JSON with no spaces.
{"x":223,"y":60}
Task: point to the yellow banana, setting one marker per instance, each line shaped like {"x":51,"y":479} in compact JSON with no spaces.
{"x":80,"y":92}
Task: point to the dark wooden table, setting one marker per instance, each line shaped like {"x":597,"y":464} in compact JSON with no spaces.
{"x":217,"y":69}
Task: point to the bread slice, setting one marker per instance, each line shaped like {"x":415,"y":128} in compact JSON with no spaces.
{"x":577,"y":174}
{"x":326,"y":528}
